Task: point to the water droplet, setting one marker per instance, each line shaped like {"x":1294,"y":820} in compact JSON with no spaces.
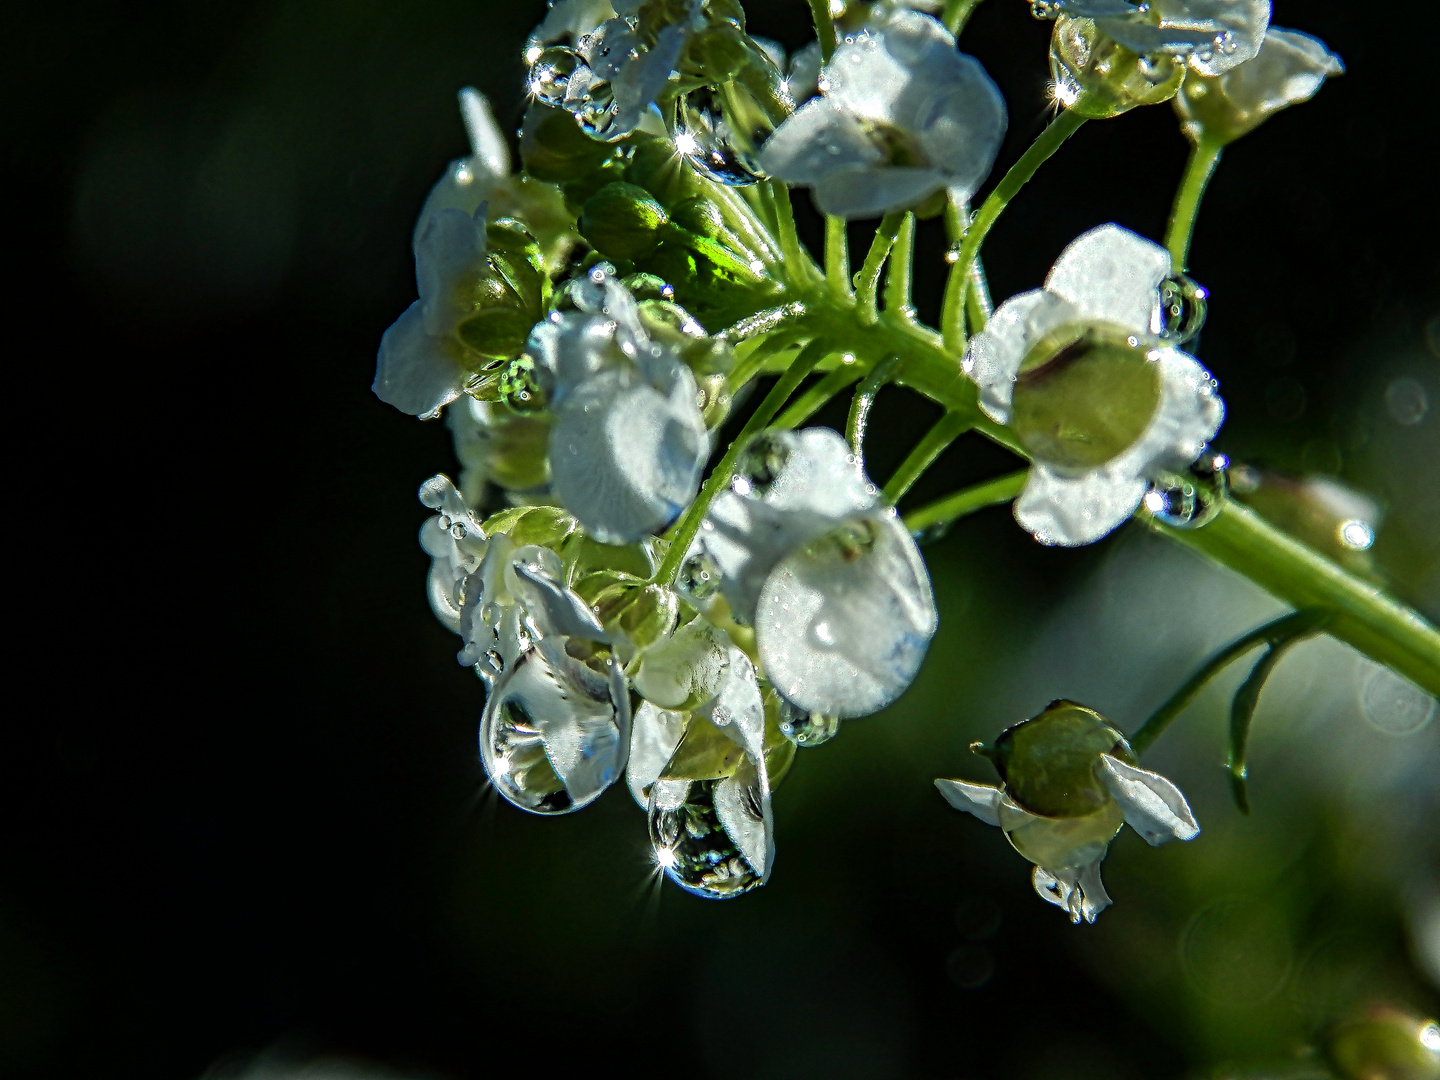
{"x":710,"y":144}
{"x":699,"y":578}
{"x":805,"y":728}
{"x":517,"y":763}
{"x":550,"y":73}
{"x":1393,"y":704}
{"x":1406,"y":401}
{"x":1182,"y":309}
{"x":1191,"y":500}
{"x":762,"y":460}
{"x":690,"y":844}
{"x":520,"y":388}
{"x":1356,"y":535}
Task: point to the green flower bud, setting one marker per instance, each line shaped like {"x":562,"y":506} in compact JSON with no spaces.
{"x":642,"y":612}
{"x":544,"y":526}
{"x":622,"y":221}
{"x":1098,"y":77}
{"x":1048,"y":762}
{"x":698,"y":215}
{"x":1386,"y":1045}
{"x":1084,"y":395}
{"x":554,"y":148}
{"x":577,"y":192}
{"x":659,"y":168}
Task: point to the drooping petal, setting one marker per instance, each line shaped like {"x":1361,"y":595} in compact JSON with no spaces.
{"x":982,"y":800}
{"x":815,"y":141}
{"x":455,"y":543}
{"x":570,"y":19}
{"x":415,"y":372}
{"x":843,"y":624}
{"x":687,"y":669}
{"x":994,"y":355}
{"x":1112,"y":275}
{"x":737,"y":708}
{"x":1077,"y":890}
{"x":1071,"y":511}
{"x":742,"y":805}
{"x":626,"y":459}
{"x":552,"y":607}
{"x":653,"y":740}
{"x":449,"y":251}
{"x":1153,"y":806}
{"x":1242,"y":24}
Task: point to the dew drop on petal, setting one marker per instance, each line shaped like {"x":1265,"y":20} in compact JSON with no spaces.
{"x":806,"y":728}
{"x":1182,"y":309}
{"x":691,"y":845}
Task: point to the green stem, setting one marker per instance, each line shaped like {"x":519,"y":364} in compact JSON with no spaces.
{"x":952,"y":307}
{"x":824,"y":28}
{"x":786,"y":385}
{"x":869,"y":277}
{"x":952,"y":507}
{"x":946,"y":430}
{"x":1281,"y":629}
{"x":1242,"y":712}
{"x":813,"y":399}
{"x":977,"y":297}
{"x":1204,"y":156}
{"x":1364,"y":616}
{"x":1050,"y":140}
{"x":900,"y":270}
{"x":766,"y":351}
{"x":837,"y":258}
{"x":864,"y":398}
{"x":957,"y":13}
{"x":794,"y":252}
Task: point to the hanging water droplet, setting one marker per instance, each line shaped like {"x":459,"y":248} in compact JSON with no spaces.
{"x":762,"y":460}
{"x":520,"y":388}
{"x":591,"y":100}
{"x":705,"y":137}
{"x":806,"y":728}
{"x":1044,"y":9}
{"x":550,"y":75}
{"x":1191,"y":500}
{"x":514,"y":756}
{"x":1182,"y":309}
{"x":691,"y":845}
{"x":699,"y":578}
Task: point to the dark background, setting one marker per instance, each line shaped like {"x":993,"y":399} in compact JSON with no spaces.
{"x":246,"y":809}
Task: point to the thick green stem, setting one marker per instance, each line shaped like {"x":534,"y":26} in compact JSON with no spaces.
{"x":946,"y":430}
{"x":956,"y":14}
{"x":900,"y":271}
{"x":1281,"y":629}
{"x":813,"y":399}
{"x":864,"y":398}
{"x":837,"y":258}
{"x":1204,"y":157}
{"x":952,"y":307}
{"x":786,"y":385}
{"x":868,"y":280}
{"x":1363,"y":615}
{"x":951,"y":508}
{"x":1050,"y":140}
{"x":824,"y":28}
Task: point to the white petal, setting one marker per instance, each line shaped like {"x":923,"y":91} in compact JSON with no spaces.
{"x":816,"y":140}
{"x":994,"y":355}
{"x":691,"y":664}
{"x":982,"y":800}
{"x":488,"y":149}
{"x":1187,"y":417}
{"x":555,"y":609}
{"x":642,"y":78}
{"x":415,"y":372}
{"x":865,"y":79}
{"x":571,"y":18}
{"x":737,"y":708}
{"x":742,"y":805}
{"x":449,"y":251}
{"x":961,"y":120}
{"x":455,"y":543}
{"x":1153,"y":806}
{"x":1094,"y":9}
{"x":1071,"y":511}
{"x":1078,"y":890}
{"x":625,"y":459}
{"x":656,"y":734}
{"x":1289,"y":68}
{"x":819,"y":473}
{"x":842,"y":626}
{"x":1112,"y":275}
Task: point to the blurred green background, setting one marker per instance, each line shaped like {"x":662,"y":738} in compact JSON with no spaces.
{"x":247,"y":807}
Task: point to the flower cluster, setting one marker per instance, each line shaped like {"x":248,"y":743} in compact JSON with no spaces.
{"x":631,"y":618}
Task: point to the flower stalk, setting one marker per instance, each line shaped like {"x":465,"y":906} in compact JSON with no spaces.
{"x":1204,"y":156}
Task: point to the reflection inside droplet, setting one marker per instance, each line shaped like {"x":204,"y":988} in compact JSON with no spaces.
{"x":1430,"y":1037}
{"x":1393,"y":704}
{"x":1356,"y":535}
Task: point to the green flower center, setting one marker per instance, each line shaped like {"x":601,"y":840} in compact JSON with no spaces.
{"x":1048,"y":763}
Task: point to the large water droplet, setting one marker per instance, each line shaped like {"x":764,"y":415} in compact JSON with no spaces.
{"x":806,"y":728}
{"x":690,"y":843}
{"x":550,"y":75}
{"x":705,"y":137}
{"x":699,"y":578}
{"x":520,"y":387}
{"x":1182,"y":309}
{"x":1191,"y":500}
{"x":762,"y":460}
{"x":518,"y":765}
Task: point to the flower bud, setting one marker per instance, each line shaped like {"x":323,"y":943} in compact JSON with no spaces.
{"x":622,"y":221}
{"x":554,"y":148}
{"x":1048,"y":762}
{"x":538,"y":526}
{"x":643,"y":613}
{"x":1386,"y":1045}
{"x":1098,"y":77}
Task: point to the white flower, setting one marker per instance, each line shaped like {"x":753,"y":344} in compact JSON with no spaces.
{"x":902,"y":115}
{"x":1289,"y":68}
{"x":1072,"y":762}
{"x":1081,"y":370}
{"x":421,"y":366}
{"x":831,"y":580}
{"x":469,"y":181}
{"x":1213,"y":35}
{"x":455,"y":543}
{"x":629,"y":441}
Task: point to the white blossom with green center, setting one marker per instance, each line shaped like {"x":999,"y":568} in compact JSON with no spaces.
{"x":1215,"y":36}
{"x":1081,"y":372}
{"x":901,"y":115}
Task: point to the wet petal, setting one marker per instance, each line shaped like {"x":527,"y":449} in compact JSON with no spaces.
{"x":994,"y":355}
{"x":1243,"y":22}
{"x":843,"y":624}
{"x":737,"y":708}
{"x":1078,"y":890}
{"x":818,"y":139}
{"x":655,"y":736}
{"x":625,"y":459}
{"x":449,"y":252}
{"x":554,"y":609}
{"x":642,"y":78}
{"x":1071,"y":511}
{"x":570,"y":19}
{"x":1189,"y":415}
{"x":455,"y":543}
{"x":982,"y":800}
{"x":417,"y":373}
{"x":687,"y":669}
{"x":1153,"y":806}
{"x":1112,"y":275}
{"x":742,"y":805}
{"x":812,"y":470}
{"x":869,"y":191}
